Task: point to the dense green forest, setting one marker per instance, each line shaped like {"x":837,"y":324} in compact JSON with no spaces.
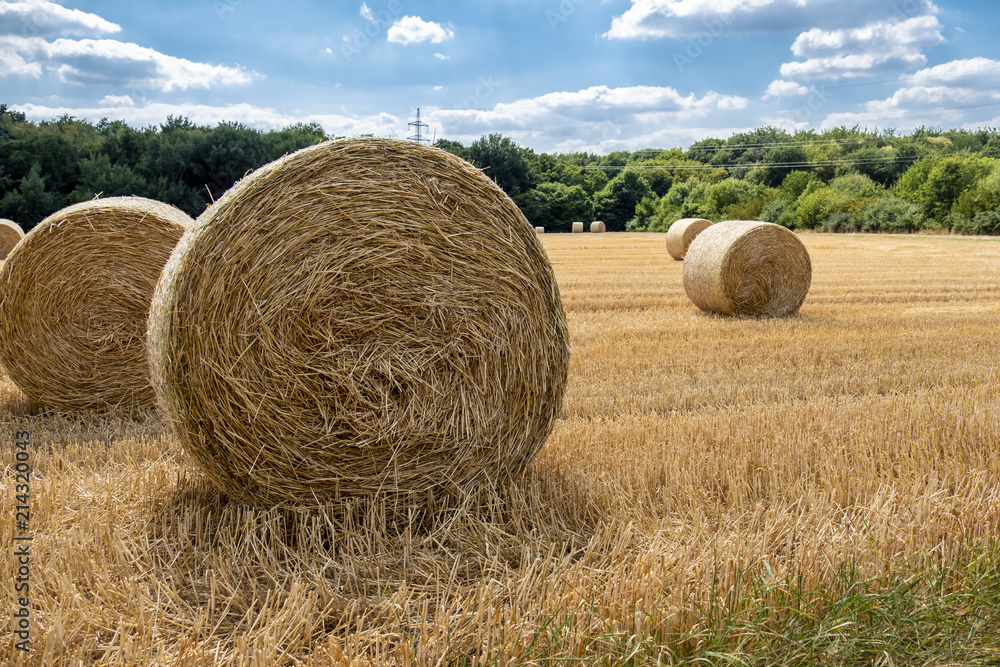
{"x":842,"y":179}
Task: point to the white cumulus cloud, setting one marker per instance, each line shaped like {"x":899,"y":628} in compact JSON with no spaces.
{"x":981,"y":73}
{"x":107,"y":61}
{"x":39,"y":18}
{"x":39,"y":38}
{"x":599,"y":118}
{"x":781,"y":88}
{"x":13,"y":63}
{"x":647,"y":19}
{"x":870,"y":50}
{"x":949,"y":94}
{"x":413,"y":30}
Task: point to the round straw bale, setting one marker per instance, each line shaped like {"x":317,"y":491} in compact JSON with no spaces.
{"x":74,"y":300}
{"x":539,"y":230}
{"x":10,"y":234}
{"x":577,"y":227}
{"x":747,"y":268}
{"x":682,"y":233}
{"x":361,"y":318}
{"x":597,"y":227}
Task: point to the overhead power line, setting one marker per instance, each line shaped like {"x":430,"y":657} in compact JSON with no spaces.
{"x":774,"y":144}
{"x":899,"y":159}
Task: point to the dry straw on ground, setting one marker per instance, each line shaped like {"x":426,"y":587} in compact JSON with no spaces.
{"x":74,"y":299}
{"x":577,"y":227}
{"x":687,"y":506}
{"x":383,"y":321}
{"x":747,"y":268}
{"x":10,"y":234}
{"x":597,"y":227}
{"x":682,"y":233}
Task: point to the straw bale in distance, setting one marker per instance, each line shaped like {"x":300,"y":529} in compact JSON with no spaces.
{"x":577,"y":227}
{"x":597,"y":227}
{"x":682,"y":233}
{"x":10,"y":234}
{"x":74,"y":301}
{"x":747,"y":268}
{"x":384,"y":323}
{"x":539,"y":230}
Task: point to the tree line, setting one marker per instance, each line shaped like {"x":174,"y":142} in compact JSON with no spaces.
{"x":836,"y":180}
{"x":49,"y":165}
{"x":840,"y":179}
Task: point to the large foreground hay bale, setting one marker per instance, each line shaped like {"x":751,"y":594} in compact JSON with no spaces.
{"x":682,"y":233}
{"x":10,"y":234}
{"x":747,"y":268}
{"x":74,"y":300}
{"x":578,"y":228}
{"x":361,"y":318}
{"x":597,"y":227}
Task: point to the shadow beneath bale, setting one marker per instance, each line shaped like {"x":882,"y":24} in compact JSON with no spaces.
{"x":15,"y":405}
{"x":46,"y":426}
{"x":53,"y":428}
{"x":742,"y":317}
{"x":361,"y":572}
{"x":361,"y":549}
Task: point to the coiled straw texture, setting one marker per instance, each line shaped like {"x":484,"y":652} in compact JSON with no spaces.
{"x":747,"y":268}
{"x":10,"y":234}
{"x":682,"y":233}
{"x":74,"y":300}
{"x":362,"y":318}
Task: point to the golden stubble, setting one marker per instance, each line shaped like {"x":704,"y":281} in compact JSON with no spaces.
{"x":690,"y":448}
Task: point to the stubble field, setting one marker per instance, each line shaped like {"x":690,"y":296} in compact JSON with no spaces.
{"x":823,"y":488}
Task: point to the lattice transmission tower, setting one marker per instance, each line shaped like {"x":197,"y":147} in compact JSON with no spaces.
{"x":418,"y":134}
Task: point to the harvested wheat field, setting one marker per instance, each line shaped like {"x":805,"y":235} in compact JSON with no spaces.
{"x":823,"y":488}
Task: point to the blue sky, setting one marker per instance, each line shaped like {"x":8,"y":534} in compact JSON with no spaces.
{"x":554,"y":75}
